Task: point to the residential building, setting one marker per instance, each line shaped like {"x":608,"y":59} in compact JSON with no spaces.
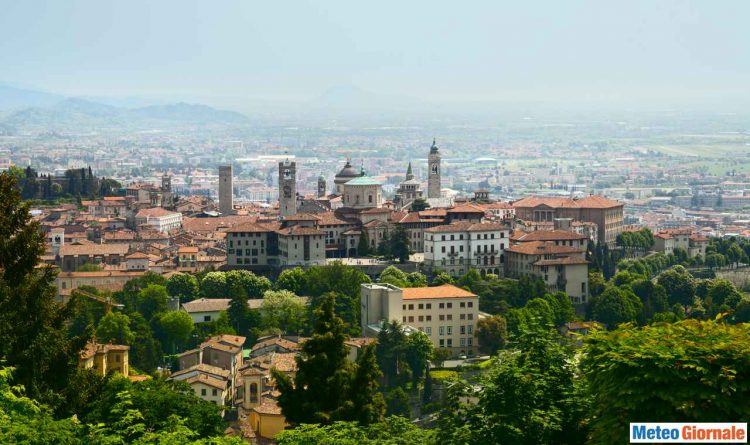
{"x":447,"y":314}
{"x":73,"y":256}
{"x":455,"y":248}
{"x":104,"y":358}
{"x":158,"y":219}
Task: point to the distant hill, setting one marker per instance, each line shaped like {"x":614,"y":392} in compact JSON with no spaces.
{"x":12,"y":97}
{"x":74,"y":111}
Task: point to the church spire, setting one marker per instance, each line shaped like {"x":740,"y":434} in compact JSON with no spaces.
{"x":434,"y":147}
{"x":409,"y":174}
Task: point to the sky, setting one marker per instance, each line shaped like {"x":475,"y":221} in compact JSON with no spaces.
{"x":224,"y":51}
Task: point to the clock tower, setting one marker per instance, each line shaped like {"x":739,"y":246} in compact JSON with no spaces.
{"x":287,"y":188}
{"x":433,"y":172}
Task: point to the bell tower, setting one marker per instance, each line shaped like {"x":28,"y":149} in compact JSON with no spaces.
{"x":321,"y":186}
{"x":433,"y":172}
{"x":287,"y":188}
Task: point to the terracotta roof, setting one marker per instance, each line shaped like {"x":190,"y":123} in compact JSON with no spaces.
{"x":187,"y":249}
{"x":330,"y":219}
{"x":137,"y":256}
{"x":251,"y":227}
{"x":207,"y":380}
{"x":359,"y":342}
{"x":155,"y":212}
{"x":466,"y":208}
{"x":93,"y":249}
{"x":301,"y":217}
{"x":203,"y":368}
{"x":235,"y":340}
{"x":281,"y":361}
{"x":568,"y":260}
{"x":102,"y":274}
{"x":300,"y":231}
{"x":541,"y":248}
{"x":442,"y":291}
{"x":280,"y":341}
{"x":216,"y":304}
{"x":465,"y":226}
{"x":375,"y":210}
{"x":587,"y":202}
{"x":548,"y":235}
{"x":268,"y":406}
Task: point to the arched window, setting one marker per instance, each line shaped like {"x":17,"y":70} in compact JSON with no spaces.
{"x":253,"y":393}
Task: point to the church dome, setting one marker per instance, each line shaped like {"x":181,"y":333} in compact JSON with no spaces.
{"x":348,"y":171}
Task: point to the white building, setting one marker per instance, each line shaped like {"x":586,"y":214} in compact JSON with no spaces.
{"x":454,"y":248}
{"x":158,"y":219}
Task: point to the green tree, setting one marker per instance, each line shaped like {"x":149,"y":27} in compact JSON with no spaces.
{"x":597,"y":283}
{"x":89,"y":267}
{"x":442,"y":278}
{"x":720,"y":292}
{"x":254,"y":285}
{"x":183,"y":285}
{"x":33,"y":326}
{"x":363,"y":246}
{"x":145,"y":351}
{"x":529,"y":396}
{"x":283,"y":311}
{"x":115,"y":328}
{"x":419,"y":205}
{"x":416,"y":279}
{"x":394,"y":430}
{"x":439,"y":356}
{"x":681,"y":372}
{"x":397,"y":403}
{"x":399,"y":245}
{"x":214,"y":285}
{"x":177,"y":327}
{"x":152,"y":300}
{"x":417,"y":354}
{"x":292,"y":280}
{"x":391,"y":350}
{"x":238,"y":311}
{"x":367,"y":405}
{"x":491,"y":334}
{"x":614,"y":306}
{"x":679,"y":284}
{"x":322,"y":364}
{"x":395,"y":276}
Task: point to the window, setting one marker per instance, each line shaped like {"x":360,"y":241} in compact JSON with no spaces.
{"x":462,"y":304}
{"x":442,"y":342}
{"x":469,"y":328}
{"x":469,"y":341}
{"x":450,"y":317}
{"x":463,"y":330}
{"x":429,"y":306}
{"x":420,"y":306}
{"x":411,"y":307}
{"x":428,"y":330}
{"x":462,"y":317}
{"x":463,"y":342}
{"x":450,"y":330}
{"x":471,"y":316}
{"x":206,"y":318}
{"x":404,"y":318}
{"x":471,"y":304}
{"x":449,"y":305}
{"x":441,"y":317}
{"x":203,"y":391}
{"x":441,"y":330}
{"x":253,"y":393}
{"x":429,"y":318}
{"x":404,"y":307}
{"x":411,"y":319}
{"x":214,"y":392}
{"x":442,"y":305}
{"x":421,"y":318}
{"x":442,"y":249}
{"x":450,"y":342}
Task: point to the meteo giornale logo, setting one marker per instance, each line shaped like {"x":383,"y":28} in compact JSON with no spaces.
{"x":673,"y":432}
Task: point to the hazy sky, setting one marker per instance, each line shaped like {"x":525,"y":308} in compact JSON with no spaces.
{"x":444,"y":51}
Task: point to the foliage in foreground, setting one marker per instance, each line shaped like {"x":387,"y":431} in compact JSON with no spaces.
{"x":691,"y":371}
{"x":393,"y":430}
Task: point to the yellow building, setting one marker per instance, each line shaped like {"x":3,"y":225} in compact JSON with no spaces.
{"x":105,"y":358}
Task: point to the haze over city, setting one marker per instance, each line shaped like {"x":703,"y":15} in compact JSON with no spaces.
{"x":337,"y":222}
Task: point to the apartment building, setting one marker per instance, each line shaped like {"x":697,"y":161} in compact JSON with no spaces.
{"x":104,"y":358}
{"x":158,"y":219}
{"x":447,"y":314}
{"x":454,"y":248}
{"x":71,"y":256}
{"x":606,"y":213}
{"x":562,"y":267}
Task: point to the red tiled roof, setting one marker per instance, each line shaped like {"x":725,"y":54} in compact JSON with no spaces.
{"x":548,"y":235}
{"x":541,"y":248}
{"x":465,"y":226}
{"x":466,"y":208}
{"x":587,"y":202}
{"x":442,"y":291}
{"x":568,"y":260}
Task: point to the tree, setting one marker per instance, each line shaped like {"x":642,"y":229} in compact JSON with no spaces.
{"x":115,"y":328}
{"x":363,"y":246}
{"x":145,"y":351}
{"x":292,"y":280}
{"x":399,"y":245}
{"x":419,"y":205}
{"x":395,"y":276}
{"x":442,"y":278}
{"x":681,"y":372}
{"x":253,"y":285}
{"x":615,"y":305}
{"x":529,"y":396}
{"x":597,"y":283}
{"x":417,"y":354}
{"x":177,"y":327}
{"x":440,"y":355}
{"x":238,"y":310}
{"x":391,"y":349}
{"x":394,"y":430}
{"x":416,"y":279}
{"x":679,"y":284}
{"x":152,"y":300}
{"x":492,"y":334}
{"x":33,"y":336}
{"x":214,"y":285}
{"x":397,"y":403}
{"x":653,"y":297}
{"x":283,"y":311}
{"x":183,"y":285}
{"x":89,"y":267}
{"x":722,"y":292}
{"x":322,"y":364}
{"x":562,"y":308}
{"x":367,"y":402}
